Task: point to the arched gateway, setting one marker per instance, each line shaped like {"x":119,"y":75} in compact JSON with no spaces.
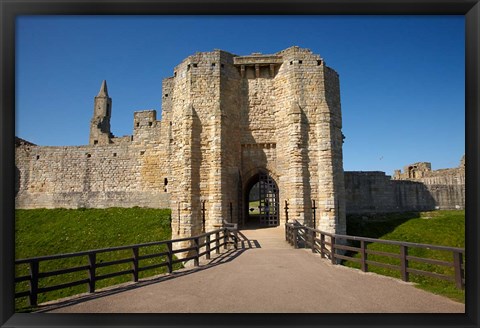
{"x":261,"y":201}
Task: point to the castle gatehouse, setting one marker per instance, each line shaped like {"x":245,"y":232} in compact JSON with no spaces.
{"x":229,"y":124}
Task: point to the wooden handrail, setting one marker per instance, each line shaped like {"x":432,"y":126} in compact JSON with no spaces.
{"x":110,"y":249}
{"x":383,"y":241}
{"x":310,"y":240}
{"x":34,"y":275}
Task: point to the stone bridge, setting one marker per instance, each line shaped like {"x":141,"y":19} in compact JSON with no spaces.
{"x":264,"y":275}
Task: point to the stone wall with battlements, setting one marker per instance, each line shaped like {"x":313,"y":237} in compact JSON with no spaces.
{"x":125,"y":173}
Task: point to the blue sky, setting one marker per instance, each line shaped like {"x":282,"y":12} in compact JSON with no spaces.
{"x":402,"y":78}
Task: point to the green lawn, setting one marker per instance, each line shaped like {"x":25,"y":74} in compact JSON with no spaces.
{"x":446,"y":228}
{"x":55,"y":231}
{"x":254,"y":205}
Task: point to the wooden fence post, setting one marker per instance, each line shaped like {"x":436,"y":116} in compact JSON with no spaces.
{"x":314,"y":208}
{"x":207,"y":247}
{"x":203,"y":215}
{"x":404,"y":262}
{"x":288,"y":234}
{"x":197,"y":251}
{"x":33,"y":298}
{"x":286,"y":212}
{"x":225,"y":238}
{"x":322,"y":245}
{"x":295,"y":235}
{"x":217,"y":242}
{"x":363,"y":252}
{"x":135,"y":263}
{"x":332,"y":251}
{"x":235,"y":239}
{"x":314,"y":235}
{"x":457,"y":264}
{"x":170,"y":256}
{"x":91,"y":272}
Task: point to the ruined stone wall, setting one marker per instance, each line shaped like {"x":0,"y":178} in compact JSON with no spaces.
{"x":124,"y":174}
{"x":375,"y":192}
{"x":446,"y":186}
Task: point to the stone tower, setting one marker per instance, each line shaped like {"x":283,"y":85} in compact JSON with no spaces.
{"x":236,"y":121}
{"x":100,"y":124}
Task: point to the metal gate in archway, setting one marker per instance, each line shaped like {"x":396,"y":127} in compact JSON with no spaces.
{"x":268,"y":202}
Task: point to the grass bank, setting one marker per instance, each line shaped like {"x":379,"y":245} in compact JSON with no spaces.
{"x":42,"y":232}
{"x":446,"y":228}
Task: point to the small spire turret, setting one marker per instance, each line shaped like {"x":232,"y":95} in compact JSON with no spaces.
{"x":103,"y":90}
{"x":100,"y":124}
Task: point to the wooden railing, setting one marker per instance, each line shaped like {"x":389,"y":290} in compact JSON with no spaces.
{"x":233,"y":228}
{"x":338,"y":247}
{"x":201,"y":245}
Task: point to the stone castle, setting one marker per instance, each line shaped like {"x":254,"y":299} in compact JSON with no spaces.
{"x":229,"y":123}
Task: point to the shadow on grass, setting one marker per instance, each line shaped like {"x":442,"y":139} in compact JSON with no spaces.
{"x":377,"y":225}
{"x":374,"y":226}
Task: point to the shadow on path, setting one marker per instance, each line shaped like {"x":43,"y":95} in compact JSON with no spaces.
{"x":243,"y":245}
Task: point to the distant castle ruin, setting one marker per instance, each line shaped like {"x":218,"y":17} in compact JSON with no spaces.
{"x":229,"y":123}
{"x":418,"y":188}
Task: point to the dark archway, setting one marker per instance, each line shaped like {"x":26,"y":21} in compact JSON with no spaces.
{"x":262,"y":201}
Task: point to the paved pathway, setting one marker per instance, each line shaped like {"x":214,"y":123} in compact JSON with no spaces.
{"x":266,"y":275}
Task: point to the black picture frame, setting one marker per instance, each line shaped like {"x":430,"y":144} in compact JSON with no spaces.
{"x":10,"y":9}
